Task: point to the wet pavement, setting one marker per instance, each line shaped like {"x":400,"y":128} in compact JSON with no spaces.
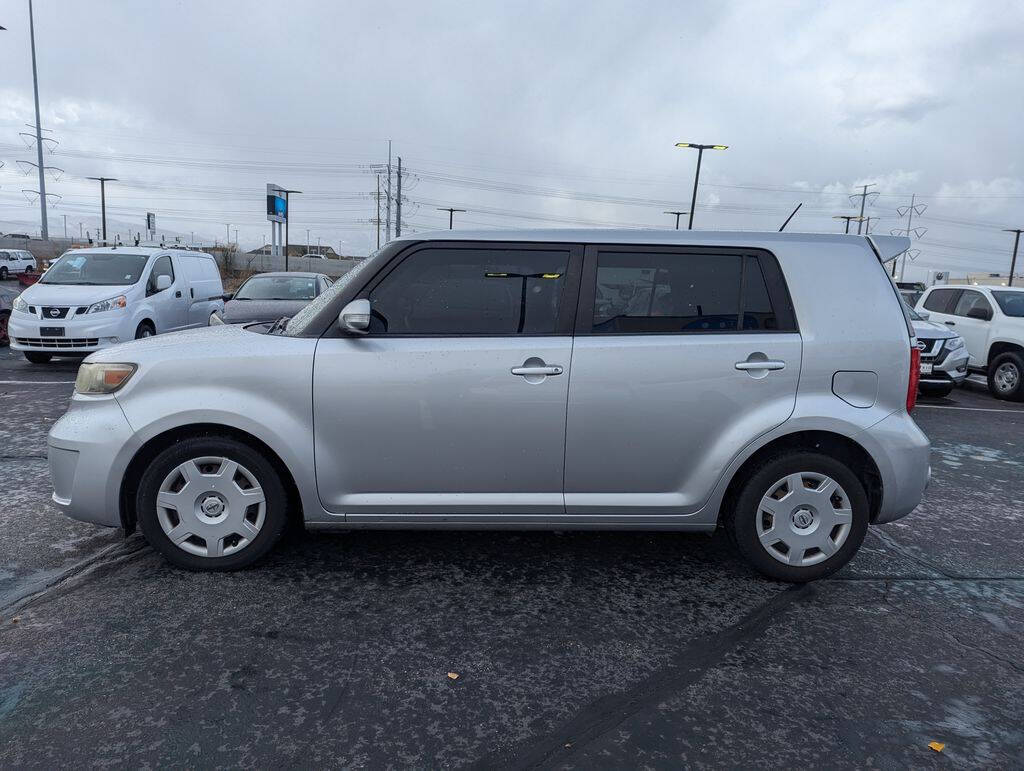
{"x":588,"y":650}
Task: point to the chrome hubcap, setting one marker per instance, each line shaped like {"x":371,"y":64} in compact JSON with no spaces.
{"x":211,"y":507}
{"x":1006,"y":377}
{"x":804,"y":519}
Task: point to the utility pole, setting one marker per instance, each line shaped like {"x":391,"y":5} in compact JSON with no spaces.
{"x":678,"y":215}
{"x":80,"y":236}
{"x":287,"y":219}
{"x":378,"y":211}
{"x":908,"y":212}
{"x":387,"y":207}
{"x":45,"y":231}
{"x":236,"y":236}
{"x":65,"y":226}
{"x":103,"y":201}
{"x":1016,"y":242}
{"x":398,"y":201}
{"x":863,"y":196}
{"x":451,"y":213}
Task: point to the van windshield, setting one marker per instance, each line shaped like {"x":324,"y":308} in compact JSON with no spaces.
{"x":96,"y":269}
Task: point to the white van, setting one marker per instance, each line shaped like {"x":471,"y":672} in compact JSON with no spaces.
{"x":15,"y":261}
{"x":94,"y":298}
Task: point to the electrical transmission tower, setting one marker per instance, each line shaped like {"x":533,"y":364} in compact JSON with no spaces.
{"x":908,"y":212}
{"x":864,"y":196}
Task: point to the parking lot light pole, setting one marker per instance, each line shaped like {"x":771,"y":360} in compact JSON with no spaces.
{"x":1016,"y":242}
{"x":678,"y":215}
{"x":451,"y":215}
{"x":849,"y":218}
{"x":287,"y":219}
{"x":696,"y":176}
{"x":103,"y":201}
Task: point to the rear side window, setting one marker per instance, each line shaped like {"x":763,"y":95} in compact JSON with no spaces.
{"x":449,"y":291}
{"x":674,"y":293}
{"x":162,"y":267}
{"x":940,"y":300}
{"x":968,"y":300}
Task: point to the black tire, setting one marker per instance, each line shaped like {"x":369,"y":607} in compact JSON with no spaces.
{"x":274,"y":491}
{"x":742,"y":521}
{"x":1007,"y":364}
{"x":5,"y":317}
{"x":3,"y":273}
{"x":145,"y":329}
{"x":38,"y":358}
{"x":935,"y":391}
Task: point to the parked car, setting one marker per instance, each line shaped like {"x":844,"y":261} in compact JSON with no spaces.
{"x":472,"y":380}
{"x":22,"y":236}
{"x":91,"y":299}
{"x":14,"y":261}
{"x":991,"y":321}
{"x":911,"y":296}
{"x":313,"y":256}
{"x":943,"y":356}
{"x":269,"y":296}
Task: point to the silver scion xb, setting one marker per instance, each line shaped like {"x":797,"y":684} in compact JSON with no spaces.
{"x":759,"y":382}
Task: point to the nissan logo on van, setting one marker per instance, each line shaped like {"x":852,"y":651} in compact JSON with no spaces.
{"x":54,"y":312}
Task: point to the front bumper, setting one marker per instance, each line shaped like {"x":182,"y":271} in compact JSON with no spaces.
{"x":81,"y":334}
{"x":903,"y":455}
{"x":88,"y":450}
{"x":948,"y":367}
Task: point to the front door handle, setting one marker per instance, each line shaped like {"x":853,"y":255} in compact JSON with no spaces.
{"x":949,"y":323}
{"x":760,"y":364}
{"x":527,"y":371}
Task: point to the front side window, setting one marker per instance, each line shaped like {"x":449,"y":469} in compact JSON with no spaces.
{"x":1011,"y":303}
{"x":938,"y":301}
{"x":96,"y":269}
{"x":162,"y":267}
{"x":671,"y":293}
{"x":451,"y":291}
{"x":970,"y":300}
{"x":277,"y":288}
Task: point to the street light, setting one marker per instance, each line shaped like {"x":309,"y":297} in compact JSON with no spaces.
{"x":696,"y":177}
{"x":103,"y":201}
{"x":451,"y":214}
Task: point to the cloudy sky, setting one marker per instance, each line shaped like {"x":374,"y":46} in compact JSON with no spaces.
{"x":524,"y":113}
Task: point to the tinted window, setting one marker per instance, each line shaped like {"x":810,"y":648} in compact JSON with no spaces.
{"x":939,"y":300}
{"x":1012,"y":303}
{"x":970,"y":300}
{"x":162,"y":267}
{"x":471,"y":292}
{"x":660,"y":292}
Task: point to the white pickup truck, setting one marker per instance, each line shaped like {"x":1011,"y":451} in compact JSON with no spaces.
{"x":991,"y":321}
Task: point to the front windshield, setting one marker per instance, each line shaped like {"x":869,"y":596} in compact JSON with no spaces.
{"x":277,"y":288}
{"x":96,"y":269}
{"x":1011,"y":303}
{"x":301,"y":320}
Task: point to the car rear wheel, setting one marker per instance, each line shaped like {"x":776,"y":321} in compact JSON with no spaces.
{"x":800,"y":516}
{"x":3,"y":273}
{"x":1006,"y":377}
{"x":37,"y":358}
{"x":145,"y":329}
{"x":5,"y":316}
{"x":211,"y":503}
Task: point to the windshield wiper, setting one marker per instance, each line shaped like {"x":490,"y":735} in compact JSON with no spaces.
{"x":281,"y":323}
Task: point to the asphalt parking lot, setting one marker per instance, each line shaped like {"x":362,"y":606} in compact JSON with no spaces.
{"x":570,"y":649}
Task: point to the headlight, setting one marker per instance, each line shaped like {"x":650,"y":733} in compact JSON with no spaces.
{"x":108,"y":305}
{"x":20,"y":305}
{"x":954,"y":343}
{"x":102,"y":378}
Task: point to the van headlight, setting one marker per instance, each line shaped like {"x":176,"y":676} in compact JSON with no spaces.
{"x":20,"y":305}
{"x":103,"y":378}
{"x":954,"y":343}
{"x":108,"y":305}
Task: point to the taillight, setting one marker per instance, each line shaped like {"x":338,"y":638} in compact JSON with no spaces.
{"x":915,"y":376}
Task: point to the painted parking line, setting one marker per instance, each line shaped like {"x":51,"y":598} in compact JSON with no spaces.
{"x":970,"y":409}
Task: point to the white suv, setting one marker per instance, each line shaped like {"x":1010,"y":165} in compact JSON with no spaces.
{"x":991,"y":322}
{"x":15,"y":261}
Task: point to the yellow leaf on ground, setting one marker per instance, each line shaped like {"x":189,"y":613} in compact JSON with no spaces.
{"x":453,"y":675}
{"x":937,"y":746}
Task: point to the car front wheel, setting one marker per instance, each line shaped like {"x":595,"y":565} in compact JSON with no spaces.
{"x":800,"y":516}
{"x":211,"y":503}
{"x":1006,"y":377}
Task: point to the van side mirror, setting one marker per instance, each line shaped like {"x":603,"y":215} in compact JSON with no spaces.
{"x":924,"y":315}
{"x":355,"y":317}
{"x":983,"y":314}
{"x":227,"y":296}
{"x":163,"y":281}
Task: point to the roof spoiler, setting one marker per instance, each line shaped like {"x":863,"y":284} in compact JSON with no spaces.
{"x":889,"y":247}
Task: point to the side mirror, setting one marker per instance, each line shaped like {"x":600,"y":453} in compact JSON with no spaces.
{"x":982,"y":314}
{"x":924,"y":315}
{"x":163,"y":281}
{"x":355,"y":317}
{"x":227,"y":296}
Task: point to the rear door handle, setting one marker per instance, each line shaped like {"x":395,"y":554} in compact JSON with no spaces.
{"x":764,"y":364}
{"x":528,"y":371}
{"x":949,"y":323}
